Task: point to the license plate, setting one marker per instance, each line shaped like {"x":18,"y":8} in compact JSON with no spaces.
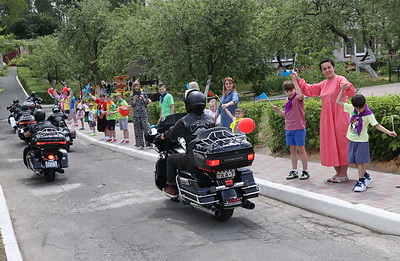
{"x":230,"y":173}
{"x":51,"y":164}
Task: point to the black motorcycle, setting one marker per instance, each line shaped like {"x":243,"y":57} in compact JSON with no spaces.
{"x":14,"y":110}
{"x":69,"y":135}
{"x":46,"y":155}
{"x":217,"y":179}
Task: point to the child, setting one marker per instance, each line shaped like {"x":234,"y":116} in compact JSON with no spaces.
{"x":92,"y":119}
{"x":111,"y":114}
{"x":86,"y":110}
{"x":212,"y":111}
{"x":295,"y":127}
{"x":80,"y":113}
{"x":361,"y":117}
{"x":239,"y":114}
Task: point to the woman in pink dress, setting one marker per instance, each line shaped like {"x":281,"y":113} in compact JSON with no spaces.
{"x":333,"y":120}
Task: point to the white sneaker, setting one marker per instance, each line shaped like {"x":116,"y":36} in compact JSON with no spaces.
{"x":359,"y":187}
{"x":105,"y":138}
{"x":368,"y":179}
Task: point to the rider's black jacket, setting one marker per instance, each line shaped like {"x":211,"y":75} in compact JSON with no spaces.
{"x":189,"y":127}
{"x":56,"y":118}
{"x":13,"y":107}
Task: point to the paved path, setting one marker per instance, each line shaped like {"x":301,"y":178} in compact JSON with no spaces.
{"x":378,"y":208}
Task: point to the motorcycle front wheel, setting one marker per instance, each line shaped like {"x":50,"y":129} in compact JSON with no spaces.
{"x":50,"y":174}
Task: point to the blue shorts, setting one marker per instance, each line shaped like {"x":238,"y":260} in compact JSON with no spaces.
{"x":359,"y":152}
{"x":295,"y":137}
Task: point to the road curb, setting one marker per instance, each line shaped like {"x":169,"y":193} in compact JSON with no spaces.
{"x":7,"y":231}
{"x":372,"y":218}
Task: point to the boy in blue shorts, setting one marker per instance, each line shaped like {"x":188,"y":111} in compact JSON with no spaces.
{"x":360,"y":117}
{"x":295,"y":127}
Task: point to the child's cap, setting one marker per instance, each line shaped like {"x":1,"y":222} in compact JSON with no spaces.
{"x":239,"y":110}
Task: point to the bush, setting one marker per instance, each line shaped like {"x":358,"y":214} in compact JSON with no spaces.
{"x":31,"y":84}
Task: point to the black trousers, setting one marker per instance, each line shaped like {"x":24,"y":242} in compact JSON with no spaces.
{"x":175,"y":161}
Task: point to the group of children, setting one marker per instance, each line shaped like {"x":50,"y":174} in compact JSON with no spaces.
{"x":360,"y":116}
{"x":76,"y":109}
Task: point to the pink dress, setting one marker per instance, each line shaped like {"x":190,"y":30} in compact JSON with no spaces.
{"x":333,"y":120}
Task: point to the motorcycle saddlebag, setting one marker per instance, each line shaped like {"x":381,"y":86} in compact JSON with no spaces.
{"x":73,"y":134}
{"x":251,"y":190}
{"x":219,"y":149}
{"x":63,"y":156}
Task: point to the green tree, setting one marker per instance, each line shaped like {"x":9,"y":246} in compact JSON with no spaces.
{"x":193,"y":40}
{"x":11,"y":10}
{"x":49,"y":60}
{"x":87,"y":32}
{"x":33,"y":25}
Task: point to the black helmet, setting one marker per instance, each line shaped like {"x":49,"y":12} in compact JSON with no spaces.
{"x":195,"y":102}
{"x":15,"y":101}
{"x":39,"y":114}
{"x":33,"y":94}
{"x":56,"y":108}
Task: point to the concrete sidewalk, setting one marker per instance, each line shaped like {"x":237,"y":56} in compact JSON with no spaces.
{"x":378,"y":208}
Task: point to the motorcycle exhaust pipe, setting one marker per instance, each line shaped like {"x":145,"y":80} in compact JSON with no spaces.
{"x":213,"y":211}
{"x":247,"y":204}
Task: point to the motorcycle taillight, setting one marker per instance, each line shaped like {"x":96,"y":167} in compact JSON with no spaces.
{"x":250,"y":156}
{"x":213,"y":163}
{"x":50,"y":157}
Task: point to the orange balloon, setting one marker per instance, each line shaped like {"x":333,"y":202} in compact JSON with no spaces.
{"x":246,"y":125}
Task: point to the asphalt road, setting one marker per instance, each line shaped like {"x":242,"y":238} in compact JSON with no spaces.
{"x":106,"y":207}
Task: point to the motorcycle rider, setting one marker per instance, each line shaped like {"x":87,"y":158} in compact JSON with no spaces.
{"x":33,"y":98}
{"x":13,"y":106}
{"x":25,"y":110}
{"x":187,"y":127}
{"x":14,"y":109}
{"x":57,"y":118}
{"x":40,"y":124}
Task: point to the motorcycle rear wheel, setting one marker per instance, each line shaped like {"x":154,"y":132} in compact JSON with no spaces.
{"x":50,"y":174}
{"x":225,"y":215}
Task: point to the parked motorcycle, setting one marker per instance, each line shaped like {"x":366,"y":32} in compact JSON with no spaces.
{"x":46,"y":155}
{"x":218,"y":179}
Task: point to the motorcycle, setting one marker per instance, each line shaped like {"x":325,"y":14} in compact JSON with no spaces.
{"x":13,"y":115}
{"x":217,"y":179}
{"x":46,"y":155}
{"x":69,"y":135}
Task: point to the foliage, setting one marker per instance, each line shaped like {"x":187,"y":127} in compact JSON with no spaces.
{"x":11,"y":10}
{"x":33,"y":25}
{"x":382,"y":146}
{"x":87,"y":33}
{"x":190,"y":40}
{"x":32,"y":84}
{"x":48,"y":60}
